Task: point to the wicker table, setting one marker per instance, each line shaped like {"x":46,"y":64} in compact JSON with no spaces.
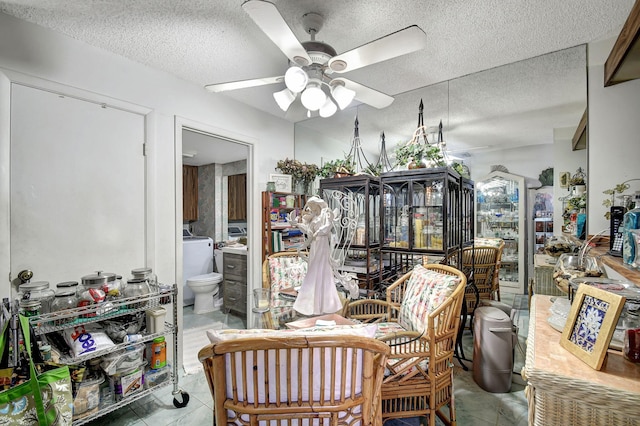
{"x":564,"y":391}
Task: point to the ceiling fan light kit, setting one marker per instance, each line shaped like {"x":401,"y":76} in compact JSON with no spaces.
{"x":328,"y":109}
{"x":312,"y":62}
{"x":284,"y":98}
{"x":313,"y":96}
{"x":296,"y":79}
{"x":342,"y":95}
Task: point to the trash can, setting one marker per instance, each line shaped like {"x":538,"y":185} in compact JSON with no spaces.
{"x":493,"y":343}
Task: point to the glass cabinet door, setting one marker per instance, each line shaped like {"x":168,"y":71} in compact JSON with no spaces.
{"x":500,"y":214}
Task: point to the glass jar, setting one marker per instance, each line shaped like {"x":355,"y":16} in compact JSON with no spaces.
{"x":146,"y":274}
{"x":67,"y":286}
{"x":137,"y":288}
{"x":40,"y":291}
{"x":30,"y":308}
{"x":94,"y":290}
{"x":64,"y":300}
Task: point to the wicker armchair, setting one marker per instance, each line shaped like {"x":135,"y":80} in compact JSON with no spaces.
{"x":419,"y":376}
{"x":480,"y":264}
{"x":282,"y":271}
{"x":296,"y":379}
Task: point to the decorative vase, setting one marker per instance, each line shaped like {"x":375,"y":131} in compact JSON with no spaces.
{"x":302,"y":187}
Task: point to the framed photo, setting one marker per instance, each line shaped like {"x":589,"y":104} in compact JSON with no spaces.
{"x":283,"y":182}
{"x":564,"y":179}
{"x":591,"y":323}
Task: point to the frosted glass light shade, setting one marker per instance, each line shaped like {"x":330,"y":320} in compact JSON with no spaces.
{"x":284,"y":98}
{"x":342,"y":95}
{"x":313,"y":97}
{"x":328,"y":109}
{"x":296,"y":79}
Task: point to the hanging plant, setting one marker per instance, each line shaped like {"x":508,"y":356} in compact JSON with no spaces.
{"x":420,"y":152}
{"x":342,"y":166}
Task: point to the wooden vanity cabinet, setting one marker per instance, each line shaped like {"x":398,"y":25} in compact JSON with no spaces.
{"x":235,"y":283}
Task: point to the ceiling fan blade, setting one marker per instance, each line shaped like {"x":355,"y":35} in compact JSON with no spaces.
{"x":367,"y":95}
{"x":396,"y":44}
{"x":243,"y":84}
{"x":266,"y":16}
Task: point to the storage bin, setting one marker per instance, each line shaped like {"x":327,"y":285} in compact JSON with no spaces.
{"x":157,"y":377}
{"x":127,"y":382}
{"x":155,"y":319}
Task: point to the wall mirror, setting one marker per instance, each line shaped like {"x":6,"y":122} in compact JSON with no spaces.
{"x":512,"y":114}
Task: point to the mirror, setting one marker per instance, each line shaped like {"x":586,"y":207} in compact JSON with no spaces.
{"x":511,"y":114}
{"x":521,"y":115}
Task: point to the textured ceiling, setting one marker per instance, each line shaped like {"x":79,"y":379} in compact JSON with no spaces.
{"x":215,"y":41}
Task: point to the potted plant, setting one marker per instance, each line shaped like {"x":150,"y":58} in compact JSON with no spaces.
{"x":578,"y":183}
{"x":301,"y":173}
{"x":418,"y":155}
{"x":337,"y":168}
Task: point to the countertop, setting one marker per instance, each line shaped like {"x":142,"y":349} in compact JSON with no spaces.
{"x":235,"y":250}
{"x":616,"y":264}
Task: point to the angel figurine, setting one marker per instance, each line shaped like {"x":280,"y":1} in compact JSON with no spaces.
{"x":318,"y":293}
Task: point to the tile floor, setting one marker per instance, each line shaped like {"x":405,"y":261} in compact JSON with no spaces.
{"x":474,"y":406}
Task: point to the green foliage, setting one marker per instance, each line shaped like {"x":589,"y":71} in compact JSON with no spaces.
{"x":340,"y":165}
{"x":417,"y":151}
{"x":299,"y":171}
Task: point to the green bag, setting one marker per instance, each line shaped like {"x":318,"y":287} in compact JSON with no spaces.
{"x":45,"y":399}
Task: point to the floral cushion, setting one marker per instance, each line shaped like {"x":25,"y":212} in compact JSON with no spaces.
{"x":426,"y":290}
{"x":285,"y":273}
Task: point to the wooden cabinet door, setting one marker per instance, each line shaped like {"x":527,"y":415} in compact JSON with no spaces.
{"x":189,"y":193}
{"x":237,"y":190}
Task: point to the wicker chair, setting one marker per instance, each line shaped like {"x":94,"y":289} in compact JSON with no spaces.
{"x":419,"y":379}
{"x":480,"y":264}
{"x":284,"y":270}
{"x":499,"y":244}
{"x":324,"y":377}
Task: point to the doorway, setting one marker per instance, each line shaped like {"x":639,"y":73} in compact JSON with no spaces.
{"x":213,"y":166}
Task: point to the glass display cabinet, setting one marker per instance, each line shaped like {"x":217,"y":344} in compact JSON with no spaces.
{"x":500,"y":213}
{"x":360,"y":202}
{"x":423,"y":216}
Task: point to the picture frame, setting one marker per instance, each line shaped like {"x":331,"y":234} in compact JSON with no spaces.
{"x":283,"y":182}
{"x":565,"y":177}
{"x":590,"y":324}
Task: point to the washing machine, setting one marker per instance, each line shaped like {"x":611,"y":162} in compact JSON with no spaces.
{"x":197,"y":259}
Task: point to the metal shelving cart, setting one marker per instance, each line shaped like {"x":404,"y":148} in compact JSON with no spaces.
{"x":61,"y":320}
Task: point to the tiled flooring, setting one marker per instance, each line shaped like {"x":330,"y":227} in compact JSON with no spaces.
{"x":474,"y":406}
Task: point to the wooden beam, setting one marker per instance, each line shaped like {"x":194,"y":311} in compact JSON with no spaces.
{"x":579,"y":140}
{"x":623,"y":63}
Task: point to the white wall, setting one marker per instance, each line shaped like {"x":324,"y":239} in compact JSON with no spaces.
{"x":614,"y":133}
{"x":526,"y":161}
{"x":34,"y":51}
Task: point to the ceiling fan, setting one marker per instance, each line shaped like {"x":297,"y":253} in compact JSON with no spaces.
{"x":314,"y":64}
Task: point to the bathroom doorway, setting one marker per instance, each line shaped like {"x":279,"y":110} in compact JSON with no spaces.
{"x":216,"y":177}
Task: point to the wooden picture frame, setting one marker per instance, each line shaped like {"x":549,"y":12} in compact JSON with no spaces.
{"x":283,"y":182}
{"x":565,"y":177}
{"x":590,"y":324}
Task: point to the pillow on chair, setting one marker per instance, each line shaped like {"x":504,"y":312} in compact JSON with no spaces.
{"x":285,"y":272}
{"x":426,"y":290}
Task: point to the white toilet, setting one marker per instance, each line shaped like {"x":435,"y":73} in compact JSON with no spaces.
{"x":206,"y":288}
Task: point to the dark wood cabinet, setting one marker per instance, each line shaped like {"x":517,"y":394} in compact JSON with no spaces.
{"x":237,"y":197}
{"x":189,"y":193}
